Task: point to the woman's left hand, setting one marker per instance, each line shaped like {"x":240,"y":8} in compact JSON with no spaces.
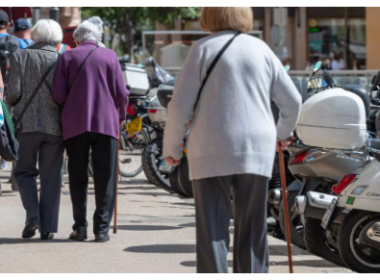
{"x":171,"y":161}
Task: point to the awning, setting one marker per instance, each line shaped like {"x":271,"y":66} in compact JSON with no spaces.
{"x":360,"y":51}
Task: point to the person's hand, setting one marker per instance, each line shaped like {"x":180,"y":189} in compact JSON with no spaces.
{"x":171,"y":161}
{"x":121,"y":123}
{"x":282,"y":144}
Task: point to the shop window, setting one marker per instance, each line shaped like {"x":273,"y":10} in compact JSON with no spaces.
{"x":326,"y":37}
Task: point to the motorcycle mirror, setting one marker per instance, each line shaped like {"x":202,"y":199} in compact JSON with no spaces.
{"x":328,"y":78}
{"x":373,"y":80}
{"x":287,"y":68}
{"x":316,"y":83}
{"x":317,"y":67}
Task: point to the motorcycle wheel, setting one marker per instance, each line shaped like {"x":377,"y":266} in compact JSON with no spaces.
{"x":358,"y":256}
{"x":183,"y":177}
{"x":296,"y":226}
{"x":174,"y":183}
{"x":317,"y":243}
{"x":151,"y":159}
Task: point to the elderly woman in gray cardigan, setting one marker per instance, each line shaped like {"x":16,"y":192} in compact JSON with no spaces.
{"x":232,"y":142}
{"x":39,"y":132}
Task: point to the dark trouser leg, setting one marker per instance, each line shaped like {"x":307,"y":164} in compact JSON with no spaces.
{"x":26,"y":171}
{"x":78,"y":149}
{"x":50,"y":163}
{"x":104,"y":160}
{"x":213,"y":212}
{"x":250,"y":224}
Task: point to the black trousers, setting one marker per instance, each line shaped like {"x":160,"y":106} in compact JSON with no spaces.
{"x":213,"y":212}
{"x":104,"y":160}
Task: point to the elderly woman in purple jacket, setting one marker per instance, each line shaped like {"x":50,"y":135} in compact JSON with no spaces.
{"x":90,"y":86}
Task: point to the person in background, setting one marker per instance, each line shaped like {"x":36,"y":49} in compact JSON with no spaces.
{"x":288,"y":62}
{"x":94,"y":105}
{"x":22,"y":31}
{"x":39,"y":133}
{"x":337,"y":63}
{"x":4,"y":26}
{"x":61,"y":48}
{"x":342,"y":63}
{"x":355,"y":65}
{"x":3,"y":164}
{"x":326,"y":64}
{"x":219,"y":161}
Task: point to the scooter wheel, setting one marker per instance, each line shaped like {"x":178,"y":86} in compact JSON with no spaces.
{"x":317,"y":244}
{"x":357,"y":256}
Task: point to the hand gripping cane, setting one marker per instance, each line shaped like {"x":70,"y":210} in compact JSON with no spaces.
{"x":285,"y":199}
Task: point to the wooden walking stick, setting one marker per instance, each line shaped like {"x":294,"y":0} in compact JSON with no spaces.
{"x":285,"y":199}
{"x":117,"y":187}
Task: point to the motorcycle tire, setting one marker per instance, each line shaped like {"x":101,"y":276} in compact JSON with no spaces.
{"x":184,"y":178}
{"x":151,"y":158}
{"x":316,"y":243}
{"x":296,"y":236}
{"x":352,"y":258}
{"x":174,"y":183}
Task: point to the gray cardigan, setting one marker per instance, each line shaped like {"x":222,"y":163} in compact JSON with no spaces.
{"x":232,"y":130}
{"x":27,"y":68}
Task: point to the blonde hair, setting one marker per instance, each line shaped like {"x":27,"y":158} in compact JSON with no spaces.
{"x":47,"y":31}
{"x":216,"y":19}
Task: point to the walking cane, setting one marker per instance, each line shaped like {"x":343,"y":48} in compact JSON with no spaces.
{"x":117,"y":187}
{"x":285,"y":199}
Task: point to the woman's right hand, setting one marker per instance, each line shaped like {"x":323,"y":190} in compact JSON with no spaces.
{"x":282,"y":144}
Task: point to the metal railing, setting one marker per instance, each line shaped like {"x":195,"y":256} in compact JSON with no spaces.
{"x":342,"y":77}
{"x":182,"y":32}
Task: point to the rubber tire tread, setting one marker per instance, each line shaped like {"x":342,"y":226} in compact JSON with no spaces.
{"x":344,"y":242}
{"x":150,"y":168}
{"x":315,"y":245}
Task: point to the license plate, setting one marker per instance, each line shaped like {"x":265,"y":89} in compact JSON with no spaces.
{"x":330,"y":210}
{"x":165,"y":167}
{"x":134,"y":126}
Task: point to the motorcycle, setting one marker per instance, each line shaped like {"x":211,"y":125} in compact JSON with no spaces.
{"x":320,"y":168}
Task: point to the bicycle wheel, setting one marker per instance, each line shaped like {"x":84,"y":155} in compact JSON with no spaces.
{"x":130,"y":151}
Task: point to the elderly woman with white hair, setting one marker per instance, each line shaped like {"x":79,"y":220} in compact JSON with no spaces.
{"x":38,"y":128}
{"x":89,"y":85}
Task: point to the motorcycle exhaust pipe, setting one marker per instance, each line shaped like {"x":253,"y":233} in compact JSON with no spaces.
{"x":274,"y":196}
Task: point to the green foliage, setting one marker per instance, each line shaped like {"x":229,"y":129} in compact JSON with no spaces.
{"x":131,"y":21}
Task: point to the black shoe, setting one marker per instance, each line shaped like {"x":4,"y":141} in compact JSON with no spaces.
{"x":102,"y":237}
{"x":79,"y":235}
{"x":47,"y":236}
{"x":30,"y":228}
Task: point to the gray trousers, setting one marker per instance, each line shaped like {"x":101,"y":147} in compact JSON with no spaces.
{"x":213,"y":212}
{"x":47,"y":150}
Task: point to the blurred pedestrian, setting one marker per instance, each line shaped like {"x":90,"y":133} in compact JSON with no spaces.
{"x":3,"y":164}
{"x":337,"y":63}
{"x":326,"y":64}
{"x":38,"y":130}
{"x":4,"y":26}
{"x":89,"y":84}
{"x":23,"y":32}
{"x":288,"y":62}
{"x":355,"y":64}
{"x":217,"y":158}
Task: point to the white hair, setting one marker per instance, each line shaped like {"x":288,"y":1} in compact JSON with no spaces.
{"x":47,"y":31}
{"x":88,"y":30}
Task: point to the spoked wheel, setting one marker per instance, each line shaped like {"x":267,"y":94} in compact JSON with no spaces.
{"x":296,"y":226}
{"x":151,"y":160}
{"x":357,"y":255}
{"x":130,"y":151}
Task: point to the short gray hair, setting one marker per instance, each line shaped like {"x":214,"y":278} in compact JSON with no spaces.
{"x":47,"y":31}
{"x":88,"y":30}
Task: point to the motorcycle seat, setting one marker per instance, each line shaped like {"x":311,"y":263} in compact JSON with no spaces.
{"x":361,"y":92}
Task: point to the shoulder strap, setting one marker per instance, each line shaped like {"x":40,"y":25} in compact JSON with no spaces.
{"x":34,"y":93}
{"x":209,"y":70}
{"x":80,"y":67}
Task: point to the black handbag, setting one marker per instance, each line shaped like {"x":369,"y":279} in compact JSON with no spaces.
{"x":8,"y":142}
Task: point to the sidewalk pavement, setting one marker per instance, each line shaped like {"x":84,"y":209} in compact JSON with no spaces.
{"x":156,"y":234}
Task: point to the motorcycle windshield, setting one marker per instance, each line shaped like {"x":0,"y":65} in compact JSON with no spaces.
{"x":162,"y":74}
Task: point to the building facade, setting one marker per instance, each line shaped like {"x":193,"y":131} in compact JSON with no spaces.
{"x":307,"y":34}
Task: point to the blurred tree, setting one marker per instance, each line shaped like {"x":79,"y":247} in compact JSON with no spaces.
{"x":131,"y":21}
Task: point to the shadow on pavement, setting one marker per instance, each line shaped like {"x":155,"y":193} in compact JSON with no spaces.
{"x":31,"y":241}
{"x":137,"y":188}
{"x":146,"y":227}
{"x":163,"y":249}
{"x":151,"y":194}
{"x":187,"y":225}
{"x":309,"y":263}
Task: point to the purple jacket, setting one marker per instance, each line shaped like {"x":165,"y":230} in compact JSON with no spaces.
{"x":98,"y":99}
